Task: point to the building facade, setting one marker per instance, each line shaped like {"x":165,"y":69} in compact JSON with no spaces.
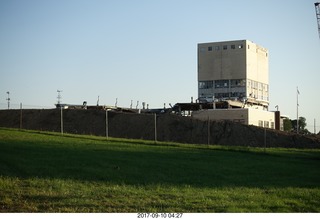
{"x":247,"y":116}
{"x":234,"y":70}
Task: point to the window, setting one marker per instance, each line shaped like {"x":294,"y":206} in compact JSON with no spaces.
{"x":240,"y":46}
{"x":225,"y":47}
{"x":254,"y":85}
{"x":248,"y":46}
{"x":221,"y":83}
{"x":210,"y":48}
{"x":233,"y":46}
{"x":202,"y":49}
{"x":217,"y":48}
{"x":238,"y":83}
{"x":221,"y":95}
{"x":260,"y":123}
{"x":272,"y":125}
{"x":237,"y":95}
{"x":266,"y":124}
{"x":205,"y":84}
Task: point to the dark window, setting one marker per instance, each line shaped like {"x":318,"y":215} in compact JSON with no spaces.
{"x":240,"y":46}
{"x":210,"y":48}
{"x":225,"y":47}
{"x":221,"y":83}
{"x":205,"y":84}
{"x":238,"y":83}
{"x":233,"y":46}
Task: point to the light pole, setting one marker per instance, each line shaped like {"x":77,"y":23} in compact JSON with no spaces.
{"x":59,"y":96}
{"x":8,"y":99}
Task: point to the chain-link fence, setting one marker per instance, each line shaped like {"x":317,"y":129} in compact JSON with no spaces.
{"x":161,"y":127}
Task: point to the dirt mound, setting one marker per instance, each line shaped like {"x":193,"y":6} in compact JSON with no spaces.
{"x":142,"y":126}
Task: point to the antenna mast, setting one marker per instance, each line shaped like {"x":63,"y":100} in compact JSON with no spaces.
{"x":317,"y":6}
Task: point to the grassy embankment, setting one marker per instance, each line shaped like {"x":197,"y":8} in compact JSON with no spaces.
{"x":45,"y":172}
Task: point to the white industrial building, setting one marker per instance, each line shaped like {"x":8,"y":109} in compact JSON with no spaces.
{"x":235,"y":73}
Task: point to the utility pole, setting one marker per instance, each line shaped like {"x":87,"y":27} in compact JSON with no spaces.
{"x":8,"y":99}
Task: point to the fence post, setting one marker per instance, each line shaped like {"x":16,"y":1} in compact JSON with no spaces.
{"x":265,"y":139}
{"x":155,"y":127}
{"x":20,"y":115}
{"x":61,"y":119}
{"x":107,"y":125}
{"x":208,"y":131}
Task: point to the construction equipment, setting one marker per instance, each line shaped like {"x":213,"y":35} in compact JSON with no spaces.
{"x":317,"y":6}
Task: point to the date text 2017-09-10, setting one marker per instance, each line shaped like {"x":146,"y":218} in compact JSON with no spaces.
{"x":159,"y":215}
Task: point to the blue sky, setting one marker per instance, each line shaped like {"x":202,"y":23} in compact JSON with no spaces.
{"x":146,"y":51}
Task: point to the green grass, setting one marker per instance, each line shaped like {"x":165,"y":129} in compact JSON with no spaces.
{"x":46,"y":172}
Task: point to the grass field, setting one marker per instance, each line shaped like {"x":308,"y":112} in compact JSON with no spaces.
{"x":46,"y":172}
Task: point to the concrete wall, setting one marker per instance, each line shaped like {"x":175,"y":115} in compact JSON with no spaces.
{"x":246,"y":116}
{"x":236,"y":115}
{"x":257,"y":71}
{"x":261,"y":118}
{"x":257,"y":63}
{"x":219,"y":64}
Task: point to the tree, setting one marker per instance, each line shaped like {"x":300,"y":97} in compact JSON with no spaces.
{"x":302,"y":125}
{"x":287,"y":126}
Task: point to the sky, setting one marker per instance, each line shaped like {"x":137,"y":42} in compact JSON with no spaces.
{"x":146,"y":50}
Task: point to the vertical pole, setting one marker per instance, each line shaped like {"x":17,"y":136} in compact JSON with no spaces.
{"x":265,"y":139}
{"x":8,"y":99}
{"x":61,"y":117}
{"x":314,"y":126}
{"x":155,"y":127}
{"x":20,"y":115}
{"x":107,"y":125}
{"x":298,"y":110}
{"x":208,"y":131}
